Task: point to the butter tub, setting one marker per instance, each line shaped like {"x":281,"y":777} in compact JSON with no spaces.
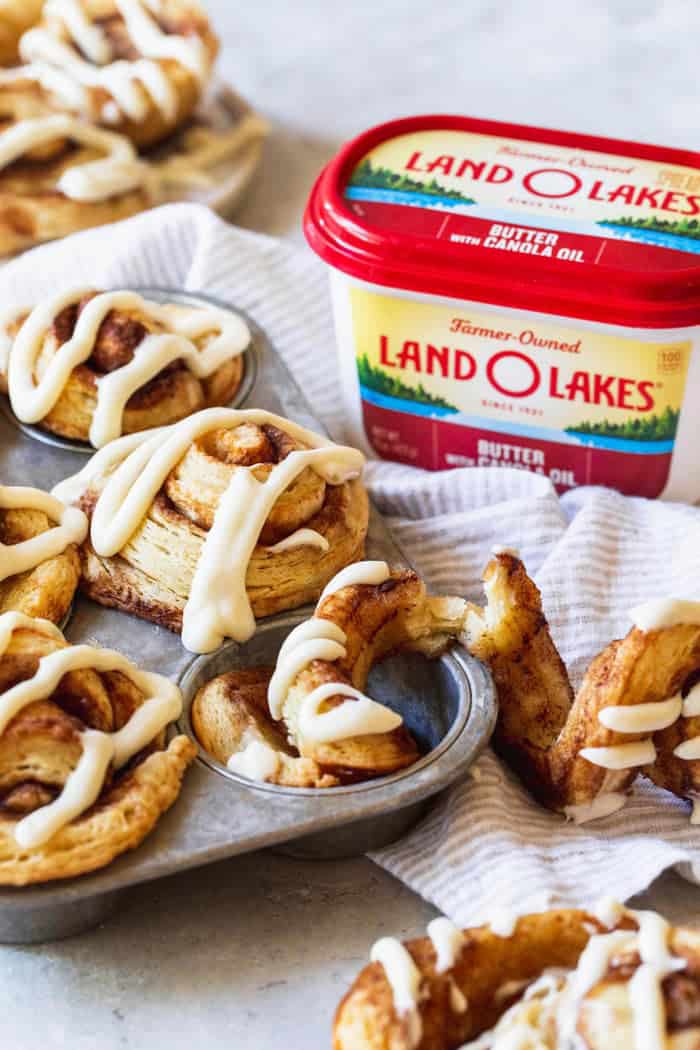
{"x":511,"y":296}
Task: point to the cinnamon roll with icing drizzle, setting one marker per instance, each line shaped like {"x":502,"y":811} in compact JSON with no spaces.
{"x":93,"y":365}
{"x":84,"y":769}
{"x":59,"y":174}
{"x":637,"y":711}
{"x":609,"y":978}
{"x":39,"y":561}
{"x":138,"y":67}
{"x":308,"y":723}
{"x":225,"y":516}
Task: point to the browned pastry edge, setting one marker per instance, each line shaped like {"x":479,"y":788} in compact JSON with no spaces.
{"x":47,"y":591}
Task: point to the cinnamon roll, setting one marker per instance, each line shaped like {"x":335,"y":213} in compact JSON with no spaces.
{"x":39,"y":562}
{"x":611,"y":978}
{"x":307,"y":723}
{"x":225,"y":516}
{"x":637,"y":710}
{"x":16,"y":16}
{"x":138,"y":67}
{"x":85,"y":772}
{"x":59,"y":174}
{"x":95,"y":365}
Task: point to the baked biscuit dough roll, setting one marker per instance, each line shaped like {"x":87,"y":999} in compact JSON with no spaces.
{"x":225,"y":517}
{"x":85,"y":772}
{"x":612,"y":980}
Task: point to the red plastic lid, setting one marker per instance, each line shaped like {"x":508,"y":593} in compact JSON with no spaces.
{"x":543,"y":220}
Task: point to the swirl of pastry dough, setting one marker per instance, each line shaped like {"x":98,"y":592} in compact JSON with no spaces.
{"x":635,"y":712}
{"x":39,"y":562}
{"x":560,"y":979}
{"x":227,"y":515}
{"x":93,"y":365}
{"x":138,"y":66}
{"x":84,"y":774}
{"x":315,"y":727}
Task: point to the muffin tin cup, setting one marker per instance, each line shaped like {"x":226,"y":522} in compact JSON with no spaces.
{"x":452,"y":712}
{"x":158,"y":295}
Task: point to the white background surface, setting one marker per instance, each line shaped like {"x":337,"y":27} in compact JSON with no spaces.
{"x":255,"y":953}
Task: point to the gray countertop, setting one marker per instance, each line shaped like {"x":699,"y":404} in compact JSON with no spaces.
{"x":255,"y":952}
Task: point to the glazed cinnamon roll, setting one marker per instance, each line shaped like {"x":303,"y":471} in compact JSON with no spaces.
{"x":637,"y":711}
{"x":610,"y":978}
{"x":85,"y":772}
{"x":95,"y":365}
{"x":39,"y":562}
{"x":16,"y":16}
{"x":59,"y":174}
{"x":226,"y":516}
{"x":138,"y":67}
{"x":307,"y":723}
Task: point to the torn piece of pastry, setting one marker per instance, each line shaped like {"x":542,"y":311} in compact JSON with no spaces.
{"x":138,"y":67}
{"x":308,"y":722}
{"x":59,"y":174}
{"x":637,"y":710}
{"x":85,"y":771}
{"x":611,"y":979}
{"x":16,"y":16}
{"x":226,"y":516}
{"x":94,"y":365}
{"x":39,"y":561}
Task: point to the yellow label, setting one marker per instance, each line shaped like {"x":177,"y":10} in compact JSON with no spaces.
{"x":556,"y":187}
{"x":467,"y":374}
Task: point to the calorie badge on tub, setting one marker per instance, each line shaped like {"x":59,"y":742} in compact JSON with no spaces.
{"x":510,"y":296}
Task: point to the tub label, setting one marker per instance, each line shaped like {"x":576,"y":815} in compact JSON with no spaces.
{"x":476,"y":190}
{"x":445,"y":386}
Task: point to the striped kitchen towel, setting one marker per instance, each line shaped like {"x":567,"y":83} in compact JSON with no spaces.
{"x":594,"y":554}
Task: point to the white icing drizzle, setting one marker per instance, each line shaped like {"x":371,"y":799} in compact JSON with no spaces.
{"x":689,"y":750}
{"x":665,"y":612}
{"x":361,"y":718}
{"x":319,"y":639}
{"x":257,"y":761}
{"x":136,"y":467}
{"x":61,"y":69}
{"x":162,"y":704}
{"x":642,"y":718}
{"x":601,"y":806}
{"x":118,"y":172}
{"x":504,"y":918}
{"x":71,"y":528}
{"x":404,"y":978}
{"x":301,"y":538}
{"x":448,"y":941}
{"x":370,"y":573}
{"x":32,"y":400}
{"x":621,"y":756}
{"x":608,"y":911}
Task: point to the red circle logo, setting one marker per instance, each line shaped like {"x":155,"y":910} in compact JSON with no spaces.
{"x":548,"y":185}
{"x":533,"y":384}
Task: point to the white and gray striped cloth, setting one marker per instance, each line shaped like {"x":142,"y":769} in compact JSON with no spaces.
{"x":594,"y":554}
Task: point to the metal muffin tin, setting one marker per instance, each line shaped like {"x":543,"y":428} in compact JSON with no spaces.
{"x":449,"y":704}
